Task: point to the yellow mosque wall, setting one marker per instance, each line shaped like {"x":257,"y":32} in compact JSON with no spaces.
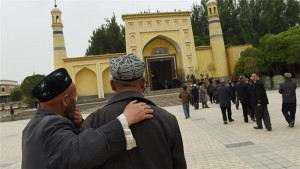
{"x":233,"y":55}
{"x":204,"y":58}
{"x":91,"y":74}
{"x":86,"y":81}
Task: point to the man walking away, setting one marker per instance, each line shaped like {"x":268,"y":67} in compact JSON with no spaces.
{"x":288,"y":91}
{"x":225,"y":96}
{"x":243,"y":93}
{"x":185,"y":99}
{"x":195,"y":94}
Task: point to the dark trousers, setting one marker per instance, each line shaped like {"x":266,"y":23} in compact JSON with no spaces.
{"x":237,"y":102}
{"x":196,"y":103}
{"x":204,"y":105}
{"x":216,"y":98}
{"x":289,"y":111}
{"x":223,"y":109}
{"x":262,"y":113}
{"x":211,"y":98}
{"x":247,"y":110}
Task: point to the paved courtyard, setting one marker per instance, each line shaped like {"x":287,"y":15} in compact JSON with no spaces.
{"x":208,"y":143}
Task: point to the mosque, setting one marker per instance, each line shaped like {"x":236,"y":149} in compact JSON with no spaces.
{"x":163,"y":40}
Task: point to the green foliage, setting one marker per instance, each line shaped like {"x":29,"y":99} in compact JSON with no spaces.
{"x":247,"y":21}
{"x":16,"y":94}
{"x":109,"y":38}
{"x":28,"y":84}
{"x":251,"y":60}
{"x":282,"y":49}
{"x":199,"y":23}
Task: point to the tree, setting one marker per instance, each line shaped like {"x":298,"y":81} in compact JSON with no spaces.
{"x":16,"y":94}
{"x":246,"y":21}
{"x":251,"y":60}
{"x":200,"y":24}
{"x":109,"y":38}
{"x":28,"y":84}
{"x":282,"y":49}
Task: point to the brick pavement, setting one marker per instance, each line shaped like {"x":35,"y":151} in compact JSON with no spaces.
{"x":208,"y":143}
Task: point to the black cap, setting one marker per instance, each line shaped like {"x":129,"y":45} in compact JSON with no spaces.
{"x":52,"y":85}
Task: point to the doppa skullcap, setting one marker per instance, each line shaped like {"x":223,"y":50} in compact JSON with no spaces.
{"x":52,"y":85}
{"x":126,"y":68}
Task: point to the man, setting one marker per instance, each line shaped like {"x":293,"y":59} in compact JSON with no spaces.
{"x":289,"y":100}
{"x":52,"y":139}
{"x":185,"y":99}
{"x":195,"y":96}
{"x":243,"y":93}
{"x":225,"y":96}
{"x":203,"y":95}
{"x":259,"y":101}
{"x":210,"y":92}
{"x":159,"y":142}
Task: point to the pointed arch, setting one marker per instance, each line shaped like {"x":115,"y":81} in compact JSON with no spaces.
{"x":170,"y":40}
{"x":86,"y":82}
{"x":106,"y":77}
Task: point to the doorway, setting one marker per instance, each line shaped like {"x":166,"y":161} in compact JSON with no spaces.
{"x":161,"y":71}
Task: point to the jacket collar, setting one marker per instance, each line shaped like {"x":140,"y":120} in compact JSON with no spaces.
{"x":130,"y":95}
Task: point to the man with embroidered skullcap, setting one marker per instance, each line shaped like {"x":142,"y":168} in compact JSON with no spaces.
{"x":158,"y":140}
{"x":52,"y":138}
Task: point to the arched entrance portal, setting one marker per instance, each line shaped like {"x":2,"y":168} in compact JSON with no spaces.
{"x":162,"y":56}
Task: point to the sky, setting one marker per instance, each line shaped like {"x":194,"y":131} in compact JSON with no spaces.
{"x":26,"y":32}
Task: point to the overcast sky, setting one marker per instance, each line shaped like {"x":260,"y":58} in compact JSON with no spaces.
{"x":26,"y":32}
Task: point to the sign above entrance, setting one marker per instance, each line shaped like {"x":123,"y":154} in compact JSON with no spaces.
{"x":160,"y":50}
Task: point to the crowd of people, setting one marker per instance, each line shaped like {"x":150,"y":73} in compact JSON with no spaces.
{"x":250,"y":92}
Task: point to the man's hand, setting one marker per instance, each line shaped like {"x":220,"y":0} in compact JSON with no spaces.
{"x":136,"y":112}
{"x":77,"y":118}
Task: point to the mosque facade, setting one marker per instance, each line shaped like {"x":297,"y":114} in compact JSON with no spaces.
{"x":163,"y":40}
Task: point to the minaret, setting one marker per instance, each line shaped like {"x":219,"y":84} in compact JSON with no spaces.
{"x":58,"y":38}
{"x":216,"y":40}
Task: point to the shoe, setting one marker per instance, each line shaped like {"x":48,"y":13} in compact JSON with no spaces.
{"x":246,"y":121}
{"x":207,"y":107}
{"x":231,"y":120}
{"x":225,"y":122}
{"x":291,"y":124}
{"x":270,"y":129}
{"x":257,"y":127}
{"x":253,"y":119}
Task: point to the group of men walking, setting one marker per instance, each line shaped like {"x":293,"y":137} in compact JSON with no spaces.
{"x":253,"y":97}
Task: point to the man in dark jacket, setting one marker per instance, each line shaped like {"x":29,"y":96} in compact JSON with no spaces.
{"x":52,"y":139}
{"x":289,"y":100}
{"x":195,"y":96}
{"x":159,"y":142}
{"x":259,"y":101}
{"x":225,"y":96}
{"x":243,"y":92}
